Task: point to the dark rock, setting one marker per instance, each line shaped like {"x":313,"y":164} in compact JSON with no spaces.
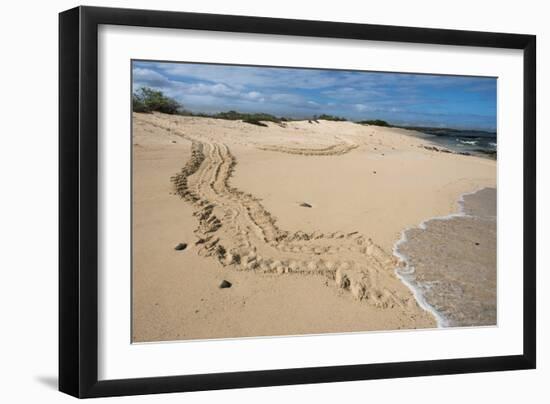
{"x":477,"y":243}
{"x":374,"y":172}
{"x":173,"y":141}
{"x":180,"y":247}
{"x":225,"y":284}
{"x":305,"y":205}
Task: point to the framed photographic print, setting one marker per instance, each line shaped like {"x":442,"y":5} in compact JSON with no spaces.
{"x":251,"y":201}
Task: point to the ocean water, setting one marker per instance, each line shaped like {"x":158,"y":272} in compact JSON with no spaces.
{"x":451,"y":263}
{"x":470,"y":141}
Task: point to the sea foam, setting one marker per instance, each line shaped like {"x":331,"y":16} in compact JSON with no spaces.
{"x":405,"y":274}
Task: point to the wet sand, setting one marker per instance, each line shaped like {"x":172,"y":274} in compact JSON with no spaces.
{"x":452,"y":262}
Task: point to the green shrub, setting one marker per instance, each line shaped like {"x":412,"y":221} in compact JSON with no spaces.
{"x":327,"y":117}
{"x":229,"y":115}
{"x":138,"y":105}
{"x":376,"y":122}
{"x":234,"y":116}
{"x":254,"y":119}
{"x":148,"y":100}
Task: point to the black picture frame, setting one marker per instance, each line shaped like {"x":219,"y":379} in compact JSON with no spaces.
{"x":78,"y":201}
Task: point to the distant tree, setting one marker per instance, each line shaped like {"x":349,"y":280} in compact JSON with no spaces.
{"x":146,"y":99}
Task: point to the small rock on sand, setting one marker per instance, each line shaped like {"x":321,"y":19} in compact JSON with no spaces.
{"x":305,"y":205}
{"x":225,"y":284}
{"x":180,"y":247}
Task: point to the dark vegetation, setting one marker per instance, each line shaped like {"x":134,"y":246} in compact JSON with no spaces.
{"x":253,"y":119}
{"x":377,"y":122}
{"x":149,"y":100}
{"x":327,"y":117}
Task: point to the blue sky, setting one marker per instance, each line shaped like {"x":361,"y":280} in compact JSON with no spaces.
{"x":404,"y":99}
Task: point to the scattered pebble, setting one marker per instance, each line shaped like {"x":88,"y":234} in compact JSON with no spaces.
{"x":180,"y":247}
{"x":374,"y":172}
{"x":225,"y":284}
{"x":173,"y":141}
{"x":305,"y":205}
{"x":477,"y":243}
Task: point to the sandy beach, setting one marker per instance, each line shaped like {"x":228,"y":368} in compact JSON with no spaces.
{"x":301,"y":218}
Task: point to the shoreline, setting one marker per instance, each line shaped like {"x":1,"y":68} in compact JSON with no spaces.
{"x":437,"y":143}
{"x":442,"y":322}
{"x":404,"y":273}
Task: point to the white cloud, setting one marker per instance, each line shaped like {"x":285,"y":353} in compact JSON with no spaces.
{"x":261,"y":77}
{"x":149,"y":77}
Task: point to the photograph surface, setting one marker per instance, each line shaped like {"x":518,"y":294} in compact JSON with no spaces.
{"x":276,"y":201}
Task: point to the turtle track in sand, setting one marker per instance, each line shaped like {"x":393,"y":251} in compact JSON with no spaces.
{"x":332,"y":150}
{"x":238,"y":232}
